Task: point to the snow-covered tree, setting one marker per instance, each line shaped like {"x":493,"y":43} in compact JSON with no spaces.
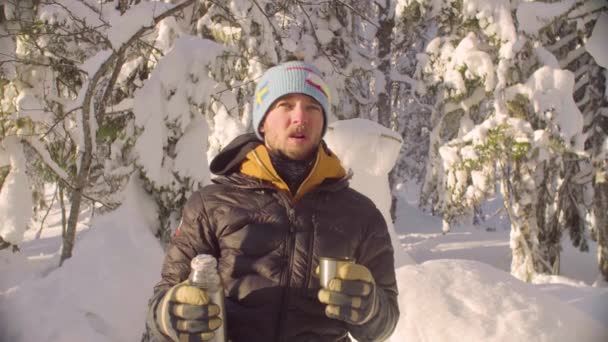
{"x":94,"y":92}
{"x":506,"y":115}
{"x":251,"y":36}
{"x":587,"y":58}
{"x":411,"y":109}
{"x":59,"y":92}
{"x":171,"y":110}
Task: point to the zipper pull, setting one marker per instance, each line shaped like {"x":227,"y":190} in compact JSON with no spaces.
{"x":291,"y":213}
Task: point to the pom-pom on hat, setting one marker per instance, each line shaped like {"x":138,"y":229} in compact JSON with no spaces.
{"x":288,"y":78}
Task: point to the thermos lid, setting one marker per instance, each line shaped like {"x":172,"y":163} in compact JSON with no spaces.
{"x":203,"y":261}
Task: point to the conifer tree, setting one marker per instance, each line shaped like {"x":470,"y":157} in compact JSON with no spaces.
{"x":487,"y":69}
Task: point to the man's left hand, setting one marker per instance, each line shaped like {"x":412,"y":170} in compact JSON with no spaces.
{"x":351,"y":295}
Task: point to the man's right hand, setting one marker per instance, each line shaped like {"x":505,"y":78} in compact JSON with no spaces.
{"x":185,"y":314}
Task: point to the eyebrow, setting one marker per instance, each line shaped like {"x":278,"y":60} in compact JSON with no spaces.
{"x":308,"y":99}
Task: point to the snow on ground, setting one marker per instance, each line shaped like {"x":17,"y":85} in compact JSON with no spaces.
{"x":421,"y":236}
{"x":462,"y":283}
{"x":101,"y":293}
{"x":457,"y":300}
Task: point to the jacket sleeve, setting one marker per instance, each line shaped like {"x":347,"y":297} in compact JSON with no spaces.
{"x":376,"y":253}
{"x":192,"y":237}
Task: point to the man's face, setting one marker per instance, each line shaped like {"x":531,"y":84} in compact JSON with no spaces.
{"x":293,"y":126}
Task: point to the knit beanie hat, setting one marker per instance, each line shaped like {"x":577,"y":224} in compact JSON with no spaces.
{"x":288,"y":78}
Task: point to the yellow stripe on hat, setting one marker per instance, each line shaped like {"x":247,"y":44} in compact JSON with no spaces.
{"x":260,"y":94}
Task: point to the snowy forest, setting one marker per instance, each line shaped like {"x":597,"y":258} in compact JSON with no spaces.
{"x":490,"y":98}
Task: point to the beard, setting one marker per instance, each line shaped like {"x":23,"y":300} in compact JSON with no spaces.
{"x":280,"y":143}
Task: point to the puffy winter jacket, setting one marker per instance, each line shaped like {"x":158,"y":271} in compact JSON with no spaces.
{"x":268,"y":244}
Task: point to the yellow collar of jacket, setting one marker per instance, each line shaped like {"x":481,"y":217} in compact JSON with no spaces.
{"x":257,"y":164}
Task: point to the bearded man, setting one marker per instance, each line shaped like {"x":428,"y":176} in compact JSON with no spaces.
{"x":280,"y":202}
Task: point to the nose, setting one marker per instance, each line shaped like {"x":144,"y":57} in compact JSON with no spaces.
{"x":299,"y":114}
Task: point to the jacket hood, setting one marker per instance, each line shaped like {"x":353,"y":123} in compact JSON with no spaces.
{"x":230,"y":158}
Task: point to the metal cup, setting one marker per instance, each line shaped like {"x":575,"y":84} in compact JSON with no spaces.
{"x":328,"y":268}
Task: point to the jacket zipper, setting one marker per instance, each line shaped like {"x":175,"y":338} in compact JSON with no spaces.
{"x":286,"y":278}
{"x":310,"y":173}
{"x":310,"y":251}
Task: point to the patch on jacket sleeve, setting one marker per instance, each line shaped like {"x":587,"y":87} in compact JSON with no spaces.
{"x":181,"y":221}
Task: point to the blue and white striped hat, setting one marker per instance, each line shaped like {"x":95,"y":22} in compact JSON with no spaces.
{"x":288,"y":78}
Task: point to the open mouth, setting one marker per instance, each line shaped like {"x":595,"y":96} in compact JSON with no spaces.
{"x":298,"y":136}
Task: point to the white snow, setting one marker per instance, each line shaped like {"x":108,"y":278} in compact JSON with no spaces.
{"x":68,"y":12}
{"x":533,"y":16}
{"x":128,"y":69}
{"x":123,"y":27}
{"x":495,"y":19}
{"x":192,"y":144}
{"x":325,"y":36}
{"x":370,"y":150}
{"x":596,"y":44}
{"x":230,"y":129}
{"x":546,"y":57}
{"x":456,"y":300}
{"x":15,"y":196}
{"x":101,"y":293}
{"x":91,"y":65}
{"x":166,"y":98}
{"x":429,"y":8}
{"x":550,"y":92}
{"x":350,"y":138}
{"x":28,"y":105}
{"x":466,"y":61}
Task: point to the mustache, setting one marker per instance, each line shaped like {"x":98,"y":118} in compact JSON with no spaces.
{"x":297,"y":129}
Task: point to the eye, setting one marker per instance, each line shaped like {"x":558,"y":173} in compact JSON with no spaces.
{"x":314,"y":108}
{"x":284,"y":104}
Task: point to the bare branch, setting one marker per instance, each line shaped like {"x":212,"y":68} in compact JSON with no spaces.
{"x":597,"y":10}
{"x":33,"y":62}
{"x":83,"y":23}
{"x":50,"y":129}
{"x":365,"y":18}
{"x":48,"y":210}
{"x":59,"y":173}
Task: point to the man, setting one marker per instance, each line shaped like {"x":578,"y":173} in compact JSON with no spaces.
{"x":280,"y":202}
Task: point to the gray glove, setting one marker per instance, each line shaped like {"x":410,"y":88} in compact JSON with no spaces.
{"x":351,"y":295}
{"x":186,"y":314}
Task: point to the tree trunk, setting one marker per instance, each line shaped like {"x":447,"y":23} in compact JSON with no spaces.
{"x":526,"y":260}
{"x":79,"y":186}
{"x":384,"y":37}
{"x":62,"y":206}
{"x":601,"y":216}
{"x":547,"y":216}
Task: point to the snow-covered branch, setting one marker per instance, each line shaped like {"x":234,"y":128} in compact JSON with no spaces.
{"x":46,"y":158}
